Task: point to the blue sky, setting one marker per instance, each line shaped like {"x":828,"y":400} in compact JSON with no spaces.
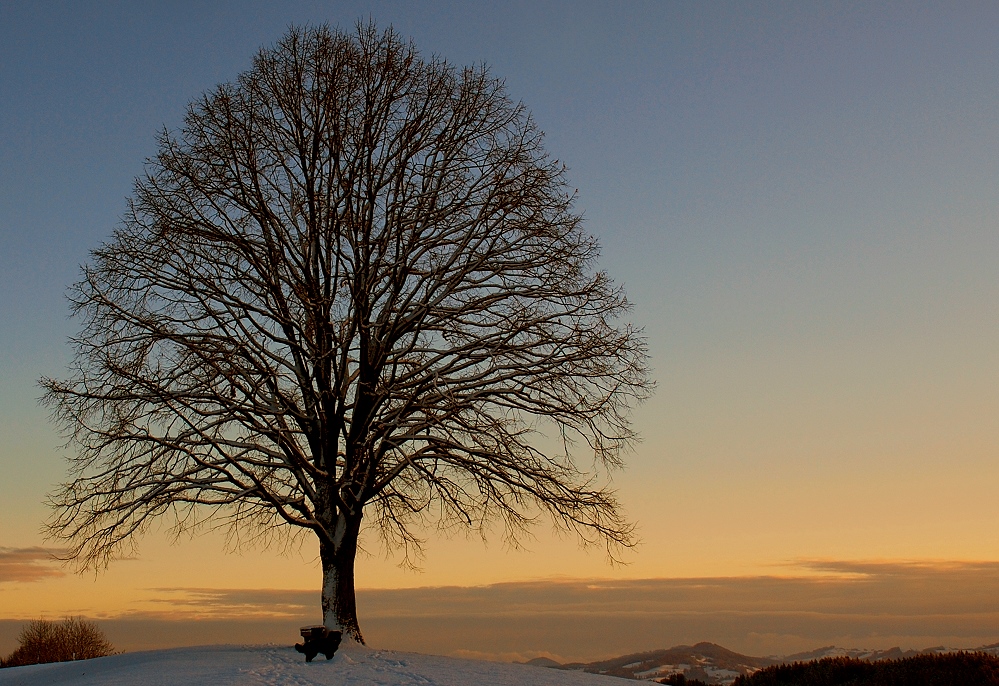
{"x":800,"y":198}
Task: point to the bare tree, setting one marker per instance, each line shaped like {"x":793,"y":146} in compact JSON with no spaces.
{"x":42,"y":641}
{"x":352,"y":283}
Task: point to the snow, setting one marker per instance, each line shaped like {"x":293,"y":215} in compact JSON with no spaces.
{"x":721,"y":674}
{"x":655,"y":672}
{"x":280,"y":666}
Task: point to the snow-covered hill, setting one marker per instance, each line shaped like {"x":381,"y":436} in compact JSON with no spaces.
{"x":278,"y":666}
{"x":356,"y":665}
{"x":706,"y":662}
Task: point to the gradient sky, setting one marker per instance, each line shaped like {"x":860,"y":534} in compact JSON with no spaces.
{"x":800,"y":198}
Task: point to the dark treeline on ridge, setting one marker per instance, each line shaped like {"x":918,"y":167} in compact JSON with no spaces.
{"x":947,"y":669}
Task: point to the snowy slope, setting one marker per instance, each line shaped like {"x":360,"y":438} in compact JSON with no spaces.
{"x":278,"y":666}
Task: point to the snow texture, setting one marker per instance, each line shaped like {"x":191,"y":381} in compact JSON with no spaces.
{"x":278,"y":666}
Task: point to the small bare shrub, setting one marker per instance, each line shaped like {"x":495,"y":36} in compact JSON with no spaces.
{"x":73,"y":639}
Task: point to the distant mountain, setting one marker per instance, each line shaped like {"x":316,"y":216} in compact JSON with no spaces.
{"x":707,"y":662}
{"x":714,"y":664}
{"x":877,"y":655}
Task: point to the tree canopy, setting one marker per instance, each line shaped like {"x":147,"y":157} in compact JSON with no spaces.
{"x":351,"y":286}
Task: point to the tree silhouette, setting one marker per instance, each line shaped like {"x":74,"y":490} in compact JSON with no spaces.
{"x":351,"y":286}
{"x":41,"y":641}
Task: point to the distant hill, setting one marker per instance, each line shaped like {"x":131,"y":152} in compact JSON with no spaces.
{"x":878,"y":655}
{"x":713,"y":664}
{"x":706,"y":662}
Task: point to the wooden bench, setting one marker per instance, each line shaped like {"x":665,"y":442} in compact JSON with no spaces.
{"x":319,"y":639}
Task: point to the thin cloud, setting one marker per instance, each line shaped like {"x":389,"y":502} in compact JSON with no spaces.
{"x":901,"y":568}
{"x":855,"y":604}
{"x":29,"y":564}
{"x":852,"y":604}
{"x":221,"y":603}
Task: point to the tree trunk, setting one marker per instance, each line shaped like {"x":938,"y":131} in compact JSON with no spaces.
{"x":339,"y":606}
